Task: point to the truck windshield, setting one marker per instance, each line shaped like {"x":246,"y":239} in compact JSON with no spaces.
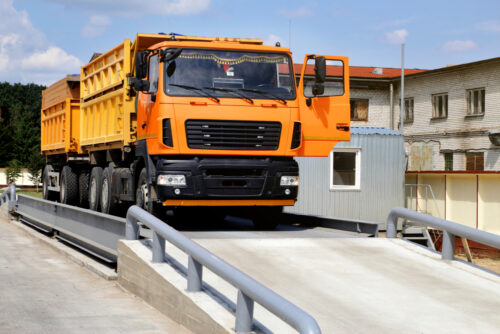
{"x":231,"y":74}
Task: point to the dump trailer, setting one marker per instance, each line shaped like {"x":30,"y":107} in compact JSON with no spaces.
{"x":171,"y":122}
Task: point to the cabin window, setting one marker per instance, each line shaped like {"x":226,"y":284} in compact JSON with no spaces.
{"x":345,"y":169}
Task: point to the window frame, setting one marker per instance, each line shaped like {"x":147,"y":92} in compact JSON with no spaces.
{"x":447,"y":161}
{"x":481,"y":105}
{"x":367,"y":109}
{"x":474,"y":155}
{"x":357,"y":177}
{"x":434,"y":108}
{"x":410,"y":110}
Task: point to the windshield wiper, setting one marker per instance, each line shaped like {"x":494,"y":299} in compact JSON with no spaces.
{"x":230,"y":91}
{"x":263,"y":93}
{"x":198,"y":89}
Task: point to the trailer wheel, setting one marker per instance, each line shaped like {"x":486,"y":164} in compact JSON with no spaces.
{"x":95,"y":188}
{"x":266,"y":219}
{"x":107,"y":203}
{"x":69,"y":186}
{"x":83,"y":189}
{"x":47,"y":194}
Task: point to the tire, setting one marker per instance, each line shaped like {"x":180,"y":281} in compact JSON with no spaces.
{"x":108,"y":204}
{"x":69,"y":186}
{"x":267,"y":219}
{"x":95,"y":184}
{"x":83,"y":189}
{"x":141,"y":193}
{"x":142,"y":199}
{"x":47,"y":194}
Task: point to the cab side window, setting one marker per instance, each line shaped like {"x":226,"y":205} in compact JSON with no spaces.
{"x":154,"y":72}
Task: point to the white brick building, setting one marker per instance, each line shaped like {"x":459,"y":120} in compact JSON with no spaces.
{"x":451,"y":112}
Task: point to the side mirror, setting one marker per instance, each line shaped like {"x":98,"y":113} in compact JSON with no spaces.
{"x":320,"y":70}
{"x":139,"y":85}
{"x":171,"y":54}
{"x":318,"y":89}
{"x":141,"y":63}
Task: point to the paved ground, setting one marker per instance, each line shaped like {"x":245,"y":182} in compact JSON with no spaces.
{"x":362,"y":285}
{"x":41,"y":291}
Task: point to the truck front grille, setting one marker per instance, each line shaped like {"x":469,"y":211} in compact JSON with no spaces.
{"x":232,"y":135}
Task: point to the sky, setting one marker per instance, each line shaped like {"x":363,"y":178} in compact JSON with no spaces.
{"x":43,"y":40}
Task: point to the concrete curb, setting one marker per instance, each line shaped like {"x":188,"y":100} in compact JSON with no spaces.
{"x":79,"y":258}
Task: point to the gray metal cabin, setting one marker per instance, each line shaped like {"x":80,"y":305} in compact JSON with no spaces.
{"x":361,"y":179}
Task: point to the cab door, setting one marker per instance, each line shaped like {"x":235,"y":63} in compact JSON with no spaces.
{"x":324,"y":107}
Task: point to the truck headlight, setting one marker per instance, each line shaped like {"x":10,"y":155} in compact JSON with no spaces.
{"x":287,"y":181}
{"x":171,"y":180}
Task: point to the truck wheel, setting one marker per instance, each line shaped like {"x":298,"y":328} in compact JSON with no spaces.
{"x":267,"y":219}
{"x":69,"y":186}
{"x":47,"y":194}
{"x":107,"y":203}
{"x":141,"y":193}
{"x":95,"y":188}
{"x":83,"y":189}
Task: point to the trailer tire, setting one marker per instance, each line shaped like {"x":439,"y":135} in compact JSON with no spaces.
{"x":108,"y":204}
{"x":69,"y":186}
{"x":95,"y":188}
{"x":48,"y":195}
{"x":83,"y":189}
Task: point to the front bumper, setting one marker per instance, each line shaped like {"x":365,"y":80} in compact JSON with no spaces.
{"x":209,"y":178}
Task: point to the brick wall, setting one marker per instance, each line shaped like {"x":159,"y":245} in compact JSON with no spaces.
{"x":458,"y":132}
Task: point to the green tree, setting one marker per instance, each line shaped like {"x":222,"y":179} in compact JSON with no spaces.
{"x":13,"y":171}
{"x":35,"y":165}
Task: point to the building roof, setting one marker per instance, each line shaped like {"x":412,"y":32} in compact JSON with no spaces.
{"x":360,"y":71}
{"x":373,"y":130}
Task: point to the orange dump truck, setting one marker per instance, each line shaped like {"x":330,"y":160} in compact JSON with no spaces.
{"x":172,"y":122}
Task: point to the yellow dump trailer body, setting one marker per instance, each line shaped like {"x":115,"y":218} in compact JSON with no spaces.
{"x":60,"y":116}
{"x":105,"y":119}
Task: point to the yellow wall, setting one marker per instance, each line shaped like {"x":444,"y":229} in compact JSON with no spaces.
{"x":489,"y":203}
{"x":461,"y":196}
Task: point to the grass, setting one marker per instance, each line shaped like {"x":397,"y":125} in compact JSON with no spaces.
{"x":29,"y":192}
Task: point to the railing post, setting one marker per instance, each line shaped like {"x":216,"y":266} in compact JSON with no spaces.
{"x":195,"y":275}
{"x":448,"y":248}
{"x":131,"y":229}
{"x":244,"y":313}
{"x":12,"y":199}
{"x":158,"y":248}
{"x":391,"y":226}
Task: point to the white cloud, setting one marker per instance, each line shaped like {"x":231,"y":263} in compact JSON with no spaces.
{"x":489,"y":26}
{"x":139,"y":7}
{"x":272,"y":39}
{"x":396,"y":37}
{"x":458,"y":45}
{"x":296,"y":13}
{"x":53,"y":59}
{"x":96,"y":26}
{"x":25,"y":53}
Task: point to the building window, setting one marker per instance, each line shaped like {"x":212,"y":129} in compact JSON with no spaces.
{"x":440,"y":106}
{"x":474,"y":161}
{"x":448,"y":161}
{"x":475,"y":101}
{"x":345,"y":169}
{"x":408,"y":109}
{"x":359,"y":109}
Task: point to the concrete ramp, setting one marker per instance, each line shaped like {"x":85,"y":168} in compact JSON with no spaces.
{"x":355,"y":285}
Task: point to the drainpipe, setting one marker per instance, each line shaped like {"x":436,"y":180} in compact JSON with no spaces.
{"x":391,"y":104}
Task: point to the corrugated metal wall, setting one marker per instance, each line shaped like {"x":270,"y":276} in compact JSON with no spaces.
{"x":382,"y":181}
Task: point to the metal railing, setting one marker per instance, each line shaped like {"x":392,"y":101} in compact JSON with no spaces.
{"x":249,"y":290}
{"x":9,"y":195}
{"x":450,"y":230}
